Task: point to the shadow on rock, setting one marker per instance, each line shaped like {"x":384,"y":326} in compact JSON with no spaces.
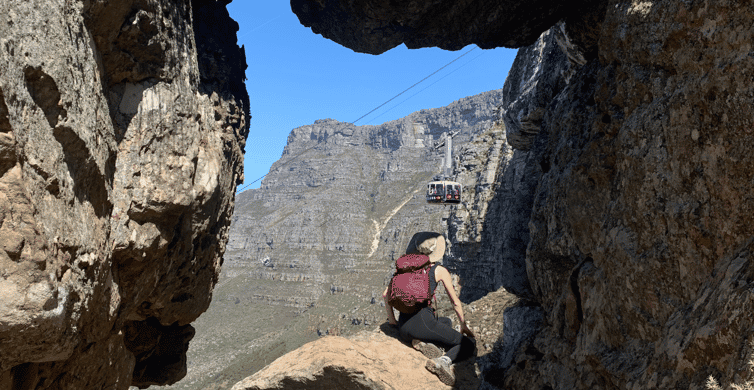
{"x":467,"y":371}
{"x":367,"y":360}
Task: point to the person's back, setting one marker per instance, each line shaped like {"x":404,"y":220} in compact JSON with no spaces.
{"x":410,"y":288}
{"x":423,"y":328}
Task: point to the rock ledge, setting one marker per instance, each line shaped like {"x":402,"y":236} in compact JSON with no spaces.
{"x":368,"y":360}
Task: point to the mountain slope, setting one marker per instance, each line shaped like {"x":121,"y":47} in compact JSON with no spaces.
{"x":310,"y":251}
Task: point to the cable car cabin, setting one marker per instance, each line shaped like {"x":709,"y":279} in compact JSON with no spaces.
{"x":444,"y":192}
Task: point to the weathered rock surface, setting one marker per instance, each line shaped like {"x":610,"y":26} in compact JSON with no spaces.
{"x":367,"y":360}
{"x":375,"y":27}
{"x":539,"y":72}
{"x":502,"y":323}
{"x":488,"y":229}
{"x":121,"y":141}
{"x":640,"y":235}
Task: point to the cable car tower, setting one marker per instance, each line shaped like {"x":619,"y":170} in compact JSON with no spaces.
{"x":445,"y":191}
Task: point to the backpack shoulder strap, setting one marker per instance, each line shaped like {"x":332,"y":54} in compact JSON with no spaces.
{"x":432,"y":285}
{"x":432,"y":278}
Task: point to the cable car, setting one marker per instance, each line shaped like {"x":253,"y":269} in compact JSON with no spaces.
{"x":444,"y":192}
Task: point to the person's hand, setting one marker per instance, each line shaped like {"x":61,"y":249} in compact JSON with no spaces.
{"x":392,"y":323}
{"x":465,"y":330}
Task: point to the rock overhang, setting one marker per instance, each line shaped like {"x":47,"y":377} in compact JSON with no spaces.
{"x":373,"y":27}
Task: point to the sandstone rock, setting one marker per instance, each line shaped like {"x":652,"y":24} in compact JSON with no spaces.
{"x":488,"y":229}
{"x":536,"y":77}
{"x":375,"y":27}
{"x":368,"y":360}
{"x":632,"y":227}
{"x":502,"y":323}
{"x":120,"y":149}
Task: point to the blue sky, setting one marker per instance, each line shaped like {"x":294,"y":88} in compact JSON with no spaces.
{"x":296,"y":77}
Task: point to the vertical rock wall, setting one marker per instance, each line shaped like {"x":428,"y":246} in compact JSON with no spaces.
{"x":121,"y":139}
{"x":641,"y":231}
{"x":495,"y":204}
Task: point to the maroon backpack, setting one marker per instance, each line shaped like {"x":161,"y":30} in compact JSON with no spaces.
{"x":409,"y":287}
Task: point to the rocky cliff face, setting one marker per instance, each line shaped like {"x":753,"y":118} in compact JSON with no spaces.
{"x":121,"y":139}
{"x":488,"y":229}
{"x":660,"y":251}
{"x":637,"y":123}
{"x":346,"y":199}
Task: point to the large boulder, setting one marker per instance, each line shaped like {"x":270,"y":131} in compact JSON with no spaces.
{"x":367,"y":360}
{"x":121,"y":141}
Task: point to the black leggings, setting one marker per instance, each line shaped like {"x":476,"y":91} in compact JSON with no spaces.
{"x":428,"y":328}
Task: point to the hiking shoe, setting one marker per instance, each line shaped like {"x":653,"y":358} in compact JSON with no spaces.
{"x":429,"y":350}
{"x":443,"y":368}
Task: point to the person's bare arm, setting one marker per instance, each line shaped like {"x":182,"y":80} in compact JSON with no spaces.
{"x":390,"y":314}
{"x":442,"y":275}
